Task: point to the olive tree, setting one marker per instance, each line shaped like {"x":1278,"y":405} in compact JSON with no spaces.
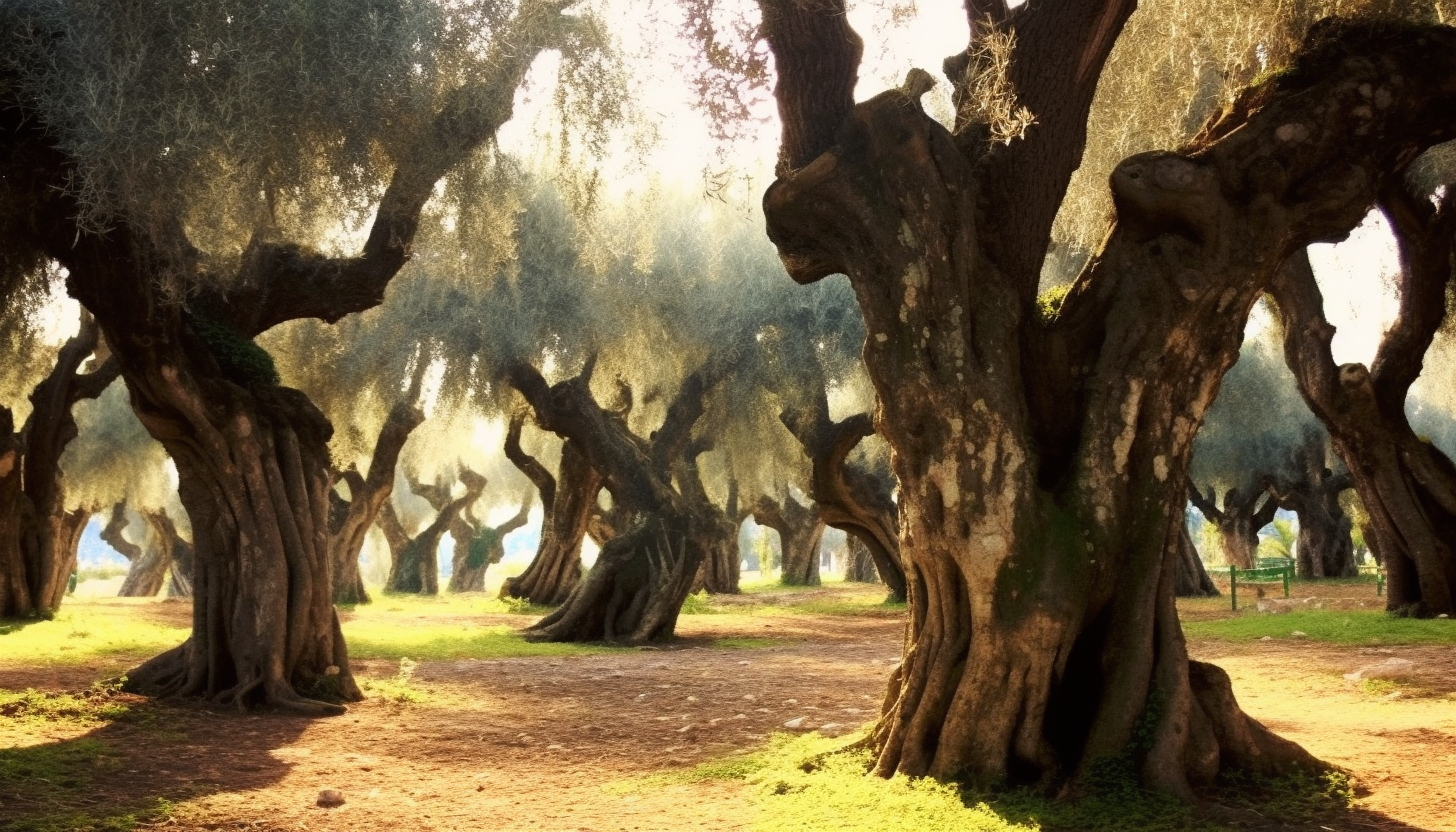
{"x":1042,"y":449}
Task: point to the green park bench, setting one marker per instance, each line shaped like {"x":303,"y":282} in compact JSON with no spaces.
{"x":1266,"y":570}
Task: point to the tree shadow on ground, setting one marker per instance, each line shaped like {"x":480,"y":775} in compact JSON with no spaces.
{"x":132,"y":769}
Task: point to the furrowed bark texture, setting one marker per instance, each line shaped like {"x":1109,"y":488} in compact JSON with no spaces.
{"x":568,"y":502}
{"x":252,"y":457}
{"x":1238,"y":522}
{"x":149,"y":563}
{"x":636,"y":589}
{"x":800,"y":531}
{"x":38,"y":536}
{"x":1324,"y":548}
{"x":1406,"y":484}
{"x":1042,"y":464}
{"x":349,"y":523}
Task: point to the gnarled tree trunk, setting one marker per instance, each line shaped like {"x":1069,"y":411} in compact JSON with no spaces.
{"x":1238,"y":522}
{"x":1324,"y":548}
{"x":1406,"y":484}
{"x":349,"y":521}
{"x":480,"y":547}
{"x":568,"y":503}
{"x":415,"y":566}
{"x":149,"y":563}
{"x":1042,"y":460}
{"x":164,"y":531}
{"x":718,"y":572}
{"x":800,"y":531}
{"x":251,"y":456}
{"x":38,"y":536}
{"x":636,"y":589}
{"x":847,"y":497}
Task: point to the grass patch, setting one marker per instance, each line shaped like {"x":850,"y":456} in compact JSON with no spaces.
{"x":153,"y":812}
{"x":87,"y":630}
{"x":807,"y":784}
{"x":88,"y":707}
{"x":863,"y":600}
{"x":398,"y":688}
{"x":1331,"y":626}
{"x":446,"y":603}
{"x":64,"y":766}
{"x":380,"y":638}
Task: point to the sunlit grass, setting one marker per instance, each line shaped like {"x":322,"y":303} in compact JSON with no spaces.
{"x":834,"y":598}
{"x":87,"y":629}
{"x":1332,"y":626}
{"x":382,"y":638}
{"x":811,"y":783}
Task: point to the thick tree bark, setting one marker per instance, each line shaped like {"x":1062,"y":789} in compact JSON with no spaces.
{"x":252,"y":457}
{"x":800,"y":531}
{"x":1324,"y":548}
{"x":349,"y":523}
{"x":642,"y":576}
{"x":415,"y":566}
{"x":38,"y":536}
{"x":1042,"y":463}
{"x":149,"y":563}
{"x":1239,"y":522}
{"x":1190,"y":579}
{"x":569,"y":503}
{"x":1406,"y":484}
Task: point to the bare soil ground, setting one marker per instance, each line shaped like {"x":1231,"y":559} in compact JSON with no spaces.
{"x":536,"y":743}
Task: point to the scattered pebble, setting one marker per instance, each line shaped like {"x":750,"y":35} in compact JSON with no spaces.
{"x":692,"y":698}
{"x":796,"y":722}
{"x":1267,"y":638}
{"x":1299,"y":634}
{"x":330,"y":798}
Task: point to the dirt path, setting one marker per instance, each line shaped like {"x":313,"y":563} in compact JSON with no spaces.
{"x":535,"y":744}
